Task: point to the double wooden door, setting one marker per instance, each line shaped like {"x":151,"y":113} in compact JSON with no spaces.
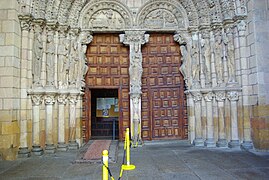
{"x":164,"y":113}
{"x":163,"y":100}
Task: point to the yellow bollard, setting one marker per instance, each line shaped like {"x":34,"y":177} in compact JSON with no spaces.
{"x":128,"y":165}
{"x":105,"y":165}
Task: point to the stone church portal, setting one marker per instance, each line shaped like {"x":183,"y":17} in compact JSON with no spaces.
{"x":177,"y":69}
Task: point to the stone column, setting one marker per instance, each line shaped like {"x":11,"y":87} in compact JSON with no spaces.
{"x":247,"y":142}
{"x":73,"y":99}
{"x":36,"y":102}
{"x":233,"y":98}
{"x":25,"y":21}
{"x":62,"y":99}
{"x":135,"y":39}
{"x":208,"y":96}
{"x":220,"y":97}
{"x":197,"y":97}
{"x":49,"y":102}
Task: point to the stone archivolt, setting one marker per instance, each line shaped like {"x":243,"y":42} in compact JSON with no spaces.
{"x":205,"y":30}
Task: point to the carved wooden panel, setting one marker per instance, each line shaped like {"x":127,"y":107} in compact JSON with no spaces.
{"x":108,"y":63}
{"x":163,"y":100}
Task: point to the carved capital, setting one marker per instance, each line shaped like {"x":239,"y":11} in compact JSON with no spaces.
{"x":36,"y":99}
{"x":25,"y":22}
{"x":62,"y":98}
{"x":220,"y":96}
{"x":49,"y":99}
{"x":134,"y":37}
{"x":208,"y":96}
{"x":73,"y":99}
{"x":178,"y":38}
{"x":241,"y":26}
{"x":233,"y":95}
{"x":197,"y":96}
{"x":63,"y":29}
{"x":86,"y":37}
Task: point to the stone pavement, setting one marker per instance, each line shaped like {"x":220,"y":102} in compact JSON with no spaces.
{"x":156,"y":160}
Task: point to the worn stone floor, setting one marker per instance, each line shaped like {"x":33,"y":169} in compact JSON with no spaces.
{"x":166,"y":160}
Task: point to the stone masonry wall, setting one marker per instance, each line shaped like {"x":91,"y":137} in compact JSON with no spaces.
{"x":9,"y":78}
{"x":258,"y":41}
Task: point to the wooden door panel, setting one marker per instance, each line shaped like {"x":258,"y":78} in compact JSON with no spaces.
{"x":163,"y":90}
{"x":108,"y":63}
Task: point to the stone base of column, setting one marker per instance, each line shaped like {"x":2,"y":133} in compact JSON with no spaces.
{"x":73,"y":145}
{"x":50,"y":149}
{"x":198,"y":142}
{"x":222,"y":143}
{"x":24,"y":152}
{"x":247,"y":145}
{"x":37,"y":150}
{"x":210,"y":143}
{"x":62,"y":147}
{"x":233,"y":144}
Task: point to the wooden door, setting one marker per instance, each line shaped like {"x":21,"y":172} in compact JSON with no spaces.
{"x":163,"y":100}
{"x":108,"y":64}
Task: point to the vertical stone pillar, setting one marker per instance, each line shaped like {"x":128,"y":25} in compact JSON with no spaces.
{"x":210,"y":142}
{"x":135,"y":39}
{"x":62,"y":99}
{"x":36,"y":102}
{"x":220,"y":97}
{"x":233,"y":98}
{"x":247,"y":142}
{"x":25,"y":21}
{"x":49,"y":102}
{"x":73,"y":99}
{"x":197,"y":97}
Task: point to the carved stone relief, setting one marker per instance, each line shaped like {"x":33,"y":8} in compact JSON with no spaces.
{"x":195,"y":61}
{"x":218,"y":51}
{"x":50,"y":52}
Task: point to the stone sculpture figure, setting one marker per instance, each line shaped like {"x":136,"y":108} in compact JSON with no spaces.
{"x":135,"y":71}
{"x":195,"y":63}
{"x":63,"y":62}
{"x":74,"y":59}
{"x":219,"y":57}
{"x":184,"y":57}
{"x":50,"y":60}
{"x":37,"y":58}
{"x":230,"y":55}
{"x":206,"y":58}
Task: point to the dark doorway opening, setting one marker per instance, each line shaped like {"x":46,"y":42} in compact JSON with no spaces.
{"x":104,"y":114}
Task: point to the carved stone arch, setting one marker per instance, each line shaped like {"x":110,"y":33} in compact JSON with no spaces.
{"x":75,"y":11}
{"x":215,"y":11}
{"x":63,"y":11}
{"x":203,"y":12}
{"x":192,"y":13}
{"x":164,"y":15}
{"x":38,"y":9}
{"x":49,"y":9}
{"x":101,"y":15}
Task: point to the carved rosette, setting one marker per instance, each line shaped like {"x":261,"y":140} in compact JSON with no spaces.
{"x":49,"y":99}
{"x":233,"y":95}
{"x":36,"y":99}
{"x":220,"y":96}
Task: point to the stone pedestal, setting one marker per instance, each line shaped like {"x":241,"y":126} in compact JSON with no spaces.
{"x":62,"y":99}
{"x":197,"y":97}
{"x":233,"y":97}
{"x":210,"y":142}
{"x":220,"y":97}
{"x":49,"y":101}
{"x":37,"y":150}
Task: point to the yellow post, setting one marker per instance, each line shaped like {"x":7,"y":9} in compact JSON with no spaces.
{"x":128,"y":165}
{"x":105,"y":165}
